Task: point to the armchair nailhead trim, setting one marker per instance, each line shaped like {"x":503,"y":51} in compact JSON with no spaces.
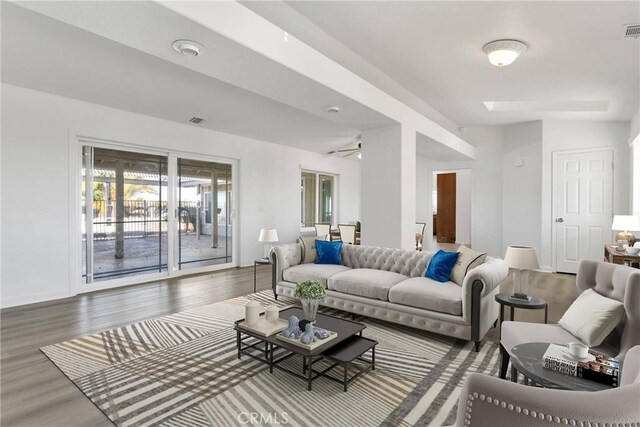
{"x":557,"y":420}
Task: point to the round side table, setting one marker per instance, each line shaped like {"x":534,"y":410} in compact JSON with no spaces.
{"x":534,"y":303}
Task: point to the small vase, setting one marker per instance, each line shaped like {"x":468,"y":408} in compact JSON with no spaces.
{"x":310,"y":308}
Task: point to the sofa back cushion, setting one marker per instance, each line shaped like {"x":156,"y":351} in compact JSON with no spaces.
{"x":407,"y":263}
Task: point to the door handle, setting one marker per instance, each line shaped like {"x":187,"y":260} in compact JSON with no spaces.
{"x":559,"y":220}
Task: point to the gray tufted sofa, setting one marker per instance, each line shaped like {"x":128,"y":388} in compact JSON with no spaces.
{"x":389,"y":284}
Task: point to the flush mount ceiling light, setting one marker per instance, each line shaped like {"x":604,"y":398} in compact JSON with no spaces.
{"x":188,"y":47}
{"x":333,"y":109}
{"x":503,"y":52}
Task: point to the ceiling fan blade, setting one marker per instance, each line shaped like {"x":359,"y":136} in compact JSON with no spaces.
{"x":351,"y":154}
{"x":343,"y":151}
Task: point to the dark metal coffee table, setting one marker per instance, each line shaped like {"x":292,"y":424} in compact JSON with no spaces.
{"x":348,"y":348}
{"x":527,"y":360}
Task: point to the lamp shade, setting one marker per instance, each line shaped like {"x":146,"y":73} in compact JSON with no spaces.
{"x":268,"y":235}
{"x":626,"y":223}
{"x":521,"y":258}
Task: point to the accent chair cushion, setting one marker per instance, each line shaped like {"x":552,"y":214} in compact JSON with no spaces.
{"x":592,"y":317}
{"x":328,"y":252}
{"x":515,"y":333}
{"x":422,"y":292}
{"x":467,"y":260}
{"x":441,"y":265}
{"x":365,"y":282}
{"x":321,"y":272}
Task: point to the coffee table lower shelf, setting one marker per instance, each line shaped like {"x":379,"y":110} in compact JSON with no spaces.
{"x":342,"y":354}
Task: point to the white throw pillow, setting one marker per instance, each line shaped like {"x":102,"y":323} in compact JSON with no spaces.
{"x":592,"y":317}
{"x":467,"y":261}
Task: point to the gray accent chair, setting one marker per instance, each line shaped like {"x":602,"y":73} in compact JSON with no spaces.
{"x":388,"y":284}
{"x":610,"y":280}
{"x":487,"y":401}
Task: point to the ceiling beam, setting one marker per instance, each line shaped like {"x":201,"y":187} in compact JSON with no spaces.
{"x":238,"y":23}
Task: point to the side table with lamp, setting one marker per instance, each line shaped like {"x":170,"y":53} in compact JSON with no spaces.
{"x":268,"y":236}
{"x":522,"y":259}
{"x":626,"y":250}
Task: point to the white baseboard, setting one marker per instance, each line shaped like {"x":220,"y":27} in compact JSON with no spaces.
{"x":32,"y":299}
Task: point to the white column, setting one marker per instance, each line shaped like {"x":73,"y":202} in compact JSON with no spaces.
{"x":388,"y":194}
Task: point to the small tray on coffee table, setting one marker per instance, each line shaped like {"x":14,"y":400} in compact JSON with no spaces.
{"x":265,"y":328}
{"x":317,"y":343}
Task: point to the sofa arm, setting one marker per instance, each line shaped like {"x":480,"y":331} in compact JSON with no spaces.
{"x":484,"y":278}
{"x":489,"y":401}
{"x":491,"y":274}
{"x":283,"y":257}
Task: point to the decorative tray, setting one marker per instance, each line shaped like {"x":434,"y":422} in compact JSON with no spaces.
{"x":265,"y":328}
{"x":313,"y":345}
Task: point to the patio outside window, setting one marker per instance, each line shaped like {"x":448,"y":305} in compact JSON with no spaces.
{"x":317,"y":199}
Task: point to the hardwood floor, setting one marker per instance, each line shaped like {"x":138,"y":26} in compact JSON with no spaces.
{"x":34,"y":393}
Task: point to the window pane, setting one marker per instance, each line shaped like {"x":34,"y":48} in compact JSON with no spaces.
{"x":308,"y":198}
{"x":129,"y":214}
{"x":204,"y":205}
{"x":325,"y":210}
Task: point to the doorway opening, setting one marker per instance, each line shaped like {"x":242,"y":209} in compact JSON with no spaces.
{"x":451,"y":201}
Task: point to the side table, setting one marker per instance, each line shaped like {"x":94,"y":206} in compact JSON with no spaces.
{"x":534,"y":303}
{"x":620,"y":257}
{"x":256,"y":263}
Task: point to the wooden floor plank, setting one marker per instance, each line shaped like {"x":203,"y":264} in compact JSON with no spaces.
{"x":33,"y":392}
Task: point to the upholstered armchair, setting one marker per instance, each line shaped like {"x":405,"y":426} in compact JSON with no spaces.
{"x":610,"y":280}
{"x":486,"y":401}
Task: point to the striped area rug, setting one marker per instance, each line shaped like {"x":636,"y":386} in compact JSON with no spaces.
{"x":182,"y":370}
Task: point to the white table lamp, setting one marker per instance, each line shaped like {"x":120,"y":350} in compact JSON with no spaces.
{"x":625,"y":224}
{"x":269,"y":236}
{"x":521,"y":259}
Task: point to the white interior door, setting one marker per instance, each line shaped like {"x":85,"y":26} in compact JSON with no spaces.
{"x":583,"y":207}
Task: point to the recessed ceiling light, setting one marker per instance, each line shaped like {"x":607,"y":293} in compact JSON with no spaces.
{"x":503,"y":52}
{"x":333,"y":109}
{"x":188,"y":47}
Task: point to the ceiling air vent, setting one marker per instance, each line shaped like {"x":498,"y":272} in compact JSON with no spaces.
{"x":632,"y":30}
{"x":196,"y":120}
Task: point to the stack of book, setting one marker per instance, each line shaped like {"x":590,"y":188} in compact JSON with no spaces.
{"x":595,"y":367}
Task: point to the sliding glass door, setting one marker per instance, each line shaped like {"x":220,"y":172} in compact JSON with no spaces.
{"x":204,"y":220}
{"x":126,"y":214}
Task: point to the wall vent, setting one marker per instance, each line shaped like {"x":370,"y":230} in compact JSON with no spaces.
{"x":632,"y":30}
{"x":196,"y":120}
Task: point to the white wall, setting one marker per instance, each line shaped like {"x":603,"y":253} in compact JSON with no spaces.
{"x":573,"y":135}
{"x":463,"y":206}
{"x":388,"y":187}
{"x":486,"y":185}
{"x":35,"y":183}
{"x":635,"y":173}
{"x":522,"y":185}
{"x":634,"y":128}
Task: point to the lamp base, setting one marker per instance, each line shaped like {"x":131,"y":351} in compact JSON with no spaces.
{"x":625,"y":235}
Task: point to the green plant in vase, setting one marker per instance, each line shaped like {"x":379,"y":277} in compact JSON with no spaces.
{"x":310,"y":293}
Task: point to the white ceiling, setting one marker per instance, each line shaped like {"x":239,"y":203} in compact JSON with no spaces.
{"x":577,"y":54}
{"x":235,"y":90}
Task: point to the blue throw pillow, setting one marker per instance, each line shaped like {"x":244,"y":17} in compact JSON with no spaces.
{"x":441,"y":265}
{"x":328,"y":252}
